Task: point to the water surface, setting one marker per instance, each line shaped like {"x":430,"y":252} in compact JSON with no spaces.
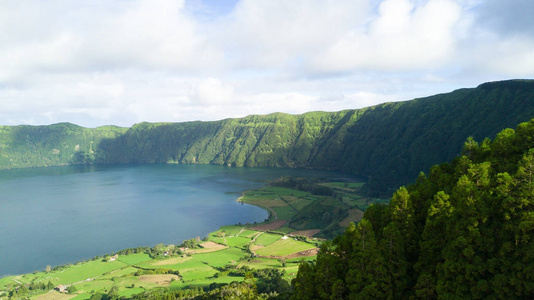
{"x":54,"y":216}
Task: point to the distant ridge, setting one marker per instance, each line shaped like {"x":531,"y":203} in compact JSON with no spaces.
{"x":388,"y":143}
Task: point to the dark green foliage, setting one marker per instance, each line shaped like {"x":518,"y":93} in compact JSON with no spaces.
{"x":234,"y":290}
{"x":463,"y":232}
{"x":389,"y":143}
{"x":142,"y":271}
{"x":72,"y":289}
{"x":320,"y":214}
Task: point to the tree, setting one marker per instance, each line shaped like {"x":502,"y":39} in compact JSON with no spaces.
{"x":304,"y":283}
{"x":367,"y":276}
{"x":434,"y":239}
{"x":113,"y":293}
{"x":72,"y":289}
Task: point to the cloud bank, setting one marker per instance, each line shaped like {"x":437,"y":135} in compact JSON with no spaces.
{"x":124,"y":62}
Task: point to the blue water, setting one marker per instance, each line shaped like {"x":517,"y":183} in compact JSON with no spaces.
{"x":60,"y":215}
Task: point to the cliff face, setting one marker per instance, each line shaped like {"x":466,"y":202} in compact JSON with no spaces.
{"x":388,"y":143}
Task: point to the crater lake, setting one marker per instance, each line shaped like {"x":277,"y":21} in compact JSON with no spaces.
{"x":61,"y":215}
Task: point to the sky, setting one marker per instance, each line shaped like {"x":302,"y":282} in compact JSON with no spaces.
{"x":121,"y":62}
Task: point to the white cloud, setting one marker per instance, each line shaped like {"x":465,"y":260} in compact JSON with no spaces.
{"x":122,"y":62}
{"x":274,"y":33}
{"x":401,"y":37}
{"x":212,"y":91}
{"x":510,"y":56}
{"x":155,"y":33}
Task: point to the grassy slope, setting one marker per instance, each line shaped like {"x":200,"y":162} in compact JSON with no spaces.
{"x":195,"y":270}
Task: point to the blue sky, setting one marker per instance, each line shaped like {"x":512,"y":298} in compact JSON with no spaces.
{"x":126,"y":61}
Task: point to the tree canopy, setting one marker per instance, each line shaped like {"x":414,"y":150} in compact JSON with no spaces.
{"x":464,"y":231}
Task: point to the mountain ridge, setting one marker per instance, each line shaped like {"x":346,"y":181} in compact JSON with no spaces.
{"x":389,"y":143}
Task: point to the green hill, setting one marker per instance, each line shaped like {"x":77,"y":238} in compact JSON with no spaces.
{"x":53,"y":145}
{"x":388,"y":144}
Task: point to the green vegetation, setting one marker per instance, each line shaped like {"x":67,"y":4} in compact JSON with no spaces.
{"x":298,"y":204}
{"x":463,"y":232}
{"x":205,"y":268}
{"x":53,"y":145}
{"x":284,"y":247}
{"x":388,"y":144}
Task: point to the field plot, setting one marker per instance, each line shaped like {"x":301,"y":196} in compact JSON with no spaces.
{"x":244,"y":232}
{"x":53,"y":295}
{"x":221,"y":258}
{"x":270,"y":226}
{"x":119,"y":273}
{"x":133,"y":259}
{"x":233,"y":236}
{"x":284,"y":212}
{"x":161,"y":280}
{"x":171,"y":261}
{"x":83,"y":271}
{"x":94,"y":285}
{"x":208,"y":247}
{"x":285,"y":247}
{"x":266,"y":239}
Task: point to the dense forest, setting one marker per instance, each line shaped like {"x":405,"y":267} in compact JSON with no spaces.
{"x":388,"y":144}
{"x":462,"y":232}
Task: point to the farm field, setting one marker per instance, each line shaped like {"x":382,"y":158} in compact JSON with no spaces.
{"x":196,"y":267}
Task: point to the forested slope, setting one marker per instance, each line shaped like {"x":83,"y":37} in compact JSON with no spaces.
{"x":463,"y":232}
{"x":388,"y":143}
{"x":53,"y":145}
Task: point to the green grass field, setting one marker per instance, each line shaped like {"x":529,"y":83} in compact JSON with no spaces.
{"x":266,"y":239}
{"x":284,"y":247}
{"x":284,"y":212}
{"x":133,"y":259}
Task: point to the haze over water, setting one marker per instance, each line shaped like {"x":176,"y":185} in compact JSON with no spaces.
{"x":60,"y":215}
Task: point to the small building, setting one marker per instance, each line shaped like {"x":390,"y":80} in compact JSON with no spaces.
{"x":61,"y":288}
{"x":113,"y":258}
